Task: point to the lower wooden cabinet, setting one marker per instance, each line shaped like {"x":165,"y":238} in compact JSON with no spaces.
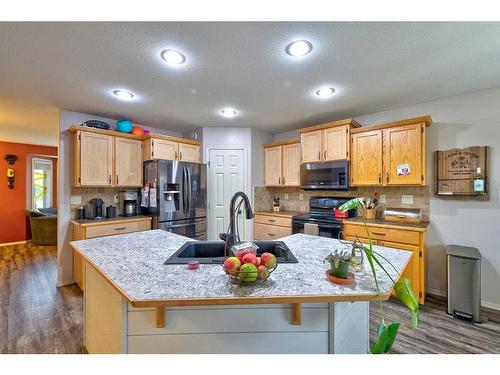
{"x":83,"y":231}
{"x":397,"y":238}
{"x":271,"y":227}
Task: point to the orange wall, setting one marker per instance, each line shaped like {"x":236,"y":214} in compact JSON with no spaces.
{"x":13,"y":222}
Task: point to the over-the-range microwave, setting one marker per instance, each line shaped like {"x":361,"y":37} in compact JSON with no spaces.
{"x":325,"y":176}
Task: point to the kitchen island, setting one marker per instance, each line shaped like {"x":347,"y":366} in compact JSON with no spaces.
{"x":136,"y":304}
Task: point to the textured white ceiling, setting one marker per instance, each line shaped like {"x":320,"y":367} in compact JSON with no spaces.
{"x":373,"y":66}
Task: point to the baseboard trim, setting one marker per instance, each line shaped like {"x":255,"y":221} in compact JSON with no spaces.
{"x":440,"y":293}
{"x":14,"y":243}
{"x":64,"y":283}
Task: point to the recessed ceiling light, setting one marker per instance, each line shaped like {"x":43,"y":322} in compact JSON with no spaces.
{"x":173,"y":57}
{"x":299,"y":48}
{"x":123,"y":94}
{"x":228,"y":112}
{"x":325,"y":92}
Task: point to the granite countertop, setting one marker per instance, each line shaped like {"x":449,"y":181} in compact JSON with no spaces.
{"x":88,"y":222}
{"x":381,"y":222}
{"x":281,"y":213}
{"x":134,"y":264}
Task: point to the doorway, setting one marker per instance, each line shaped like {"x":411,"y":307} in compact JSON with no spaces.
{"x":226,"y":176}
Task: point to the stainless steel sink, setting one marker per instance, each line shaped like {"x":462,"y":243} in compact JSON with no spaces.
{"x":212,"y":252}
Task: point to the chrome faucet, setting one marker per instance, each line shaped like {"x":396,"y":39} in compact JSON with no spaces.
{"x":231,"y":237}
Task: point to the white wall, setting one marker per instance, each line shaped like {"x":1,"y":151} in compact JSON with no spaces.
{"x":467,"y":120}
{"x":259,"y":138}
{"x":65,"y":170}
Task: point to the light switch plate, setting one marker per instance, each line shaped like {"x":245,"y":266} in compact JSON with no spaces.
{"x":301,"y":196}
{"x":117,"y":198}
{"x":76,"y":199}
{"x":382,"y":198}
{"x":286,"y":195}
{"x":407,"y":199}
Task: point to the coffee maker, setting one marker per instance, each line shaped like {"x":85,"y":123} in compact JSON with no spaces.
{"x":96,"y":209}
{"x":128,"y":200}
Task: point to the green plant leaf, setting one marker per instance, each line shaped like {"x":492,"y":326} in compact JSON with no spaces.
{"x":405,"y":294}
{"x":386,"y":336}
{"x":349,"y":205}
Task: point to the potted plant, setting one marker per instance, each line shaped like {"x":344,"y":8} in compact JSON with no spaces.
{"x":386,"y":333}
{"x":339,"y":264}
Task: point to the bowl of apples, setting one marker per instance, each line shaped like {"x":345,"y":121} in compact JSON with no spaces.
{"x":246,"y":268}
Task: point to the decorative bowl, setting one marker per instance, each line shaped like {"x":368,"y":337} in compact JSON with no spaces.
{"x":124,"y":126}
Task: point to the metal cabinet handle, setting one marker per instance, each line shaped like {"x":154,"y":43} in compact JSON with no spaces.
{"x":387,"y":176}
{"x":109,"y":179}
{"x":279,"y":180}
{"x":379,"y":234}
{"x":271,"y":220}
{"x":121,"y":228}
{"x":180,"y":155}
{"x":325,"y":154}
{"x":319,"y":155}
{"x":271,"y":234}
{"x":283,"y":181}
{"x":175,"y":155}
{"x":117,"y":179}
{"x":379,"y":178}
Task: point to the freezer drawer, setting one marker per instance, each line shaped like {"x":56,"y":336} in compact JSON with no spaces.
{"x":192,"y":228}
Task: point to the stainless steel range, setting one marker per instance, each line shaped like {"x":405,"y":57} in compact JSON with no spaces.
{"x":322,"y":213}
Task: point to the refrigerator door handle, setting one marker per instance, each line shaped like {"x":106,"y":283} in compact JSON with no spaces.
{"x":190,"y":189}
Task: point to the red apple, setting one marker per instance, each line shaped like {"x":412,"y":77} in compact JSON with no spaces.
{"x":268,"y":260}
{"x":232,"y":265}
{"x":249,"y":258}
{"x":258,"y":262}
{"x":262,"y":272}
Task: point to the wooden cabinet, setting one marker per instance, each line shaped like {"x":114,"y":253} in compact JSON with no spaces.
{"x":271,"y":227}
{"x":389,"y":154}
{"x":326,"y":142}
{"x":83,"y":231}
{"x":93,"y":159}
{"x":282,"y":163}
{"x":128,"y":162}
{"x":189,"y":153}
{"x":171,"y":149}
{"x":366,"y":158}
{"x":406,"y":238}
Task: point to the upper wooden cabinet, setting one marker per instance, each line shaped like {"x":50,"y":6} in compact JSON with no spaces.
{"x":172,"y":148}
{"x":389,"y":154}
{"x":128,"y":162}
{"x":93,"y":159}
{"x":282,"y":163}
{"x":326,"y":142}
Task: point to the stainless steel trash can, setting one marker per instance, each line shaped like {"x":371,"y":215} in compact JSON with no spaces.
{"x":464,"y":282}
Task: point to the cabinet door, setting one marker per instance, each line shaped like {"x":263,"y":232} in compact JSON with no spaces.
{"x":335,"y":143}
{"x":291,"y":164}
{"x":272,"y":166}
{"x":128,"y":162}
{"x":412,"y":270}
{"x":311,"y":146}
{"x":189,"y":153}
{"x":94,"y":159}
{"x":403,"y":155}
{"x":163,"y":149}
{"x":366,"y":158}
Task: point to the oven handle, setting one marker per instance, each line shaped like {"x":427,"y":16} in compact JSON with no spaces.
{"x":327,"y":226}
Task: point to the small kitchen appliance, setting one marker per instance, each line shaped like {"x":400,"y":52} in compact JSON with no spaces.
{"x":322,"y":212}
{"x":96,"y":209}
{"x":110,"y":212}
{"x":129,"y":202}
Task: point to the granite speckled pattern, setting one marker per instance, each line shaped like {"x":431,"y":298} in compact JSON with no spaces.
{"x":135,"y":263}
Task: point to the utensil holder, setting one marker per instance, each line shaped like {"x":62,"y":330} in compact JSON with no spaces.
{"x":369,"y":213}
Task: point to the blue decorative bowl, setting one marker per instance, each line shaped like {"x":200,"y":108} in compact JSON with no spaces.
{"x":124,"y":126}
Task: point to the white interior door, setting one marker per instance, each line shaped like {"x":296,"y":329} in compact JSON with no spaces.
{"x":226,"y":177}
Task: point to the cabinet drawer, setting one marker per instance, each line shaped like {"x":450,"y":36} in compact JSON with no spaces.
{"x":270,"y":232}
{"x":383,"y":234}
{"x":117,"y":228}
{"x":274,"y":220}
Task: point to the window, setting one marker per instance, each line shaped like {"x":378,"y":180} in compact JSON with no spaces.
{"x":41,"y":189}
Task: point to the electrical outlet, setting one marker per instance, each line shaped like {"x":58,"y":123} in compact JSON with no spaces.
{"x":407,"y":199}
{"x":76,"y":199}
{"x":301,"y":196}
{"x":382,"y":198}
{"x":117,"y":198}
{"x":286,"y":195}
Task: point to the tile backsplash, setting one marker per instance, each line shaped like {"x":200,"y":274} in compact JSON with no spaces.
{"x":296,"y":199}
{"x":107,"y":194}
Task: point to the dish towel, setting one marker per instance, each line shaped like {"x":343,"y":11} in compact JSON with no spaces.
{"x":311,"y":229}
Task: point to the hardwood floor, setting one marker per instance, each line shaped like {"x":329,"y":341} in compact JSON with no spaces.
{"x":35,"y":315}
{"x":38,"y":317}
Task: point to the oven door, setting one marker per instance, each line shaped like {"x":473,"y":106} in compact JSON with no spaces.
{"x":330,"y":230}
{"x":331,"y":176}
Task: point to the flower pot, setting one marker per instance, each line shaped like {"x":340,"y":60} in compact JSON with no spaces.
{"x":341,"y":271}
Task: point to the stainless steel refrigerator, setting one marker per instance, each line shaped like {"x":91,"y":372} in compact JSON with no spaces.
{"x":181,"y":197}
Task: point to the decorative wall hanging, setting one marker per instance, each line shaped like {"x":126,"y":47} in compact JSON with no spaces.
{"x":11,"y":159}
{"x":462,"y":173}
